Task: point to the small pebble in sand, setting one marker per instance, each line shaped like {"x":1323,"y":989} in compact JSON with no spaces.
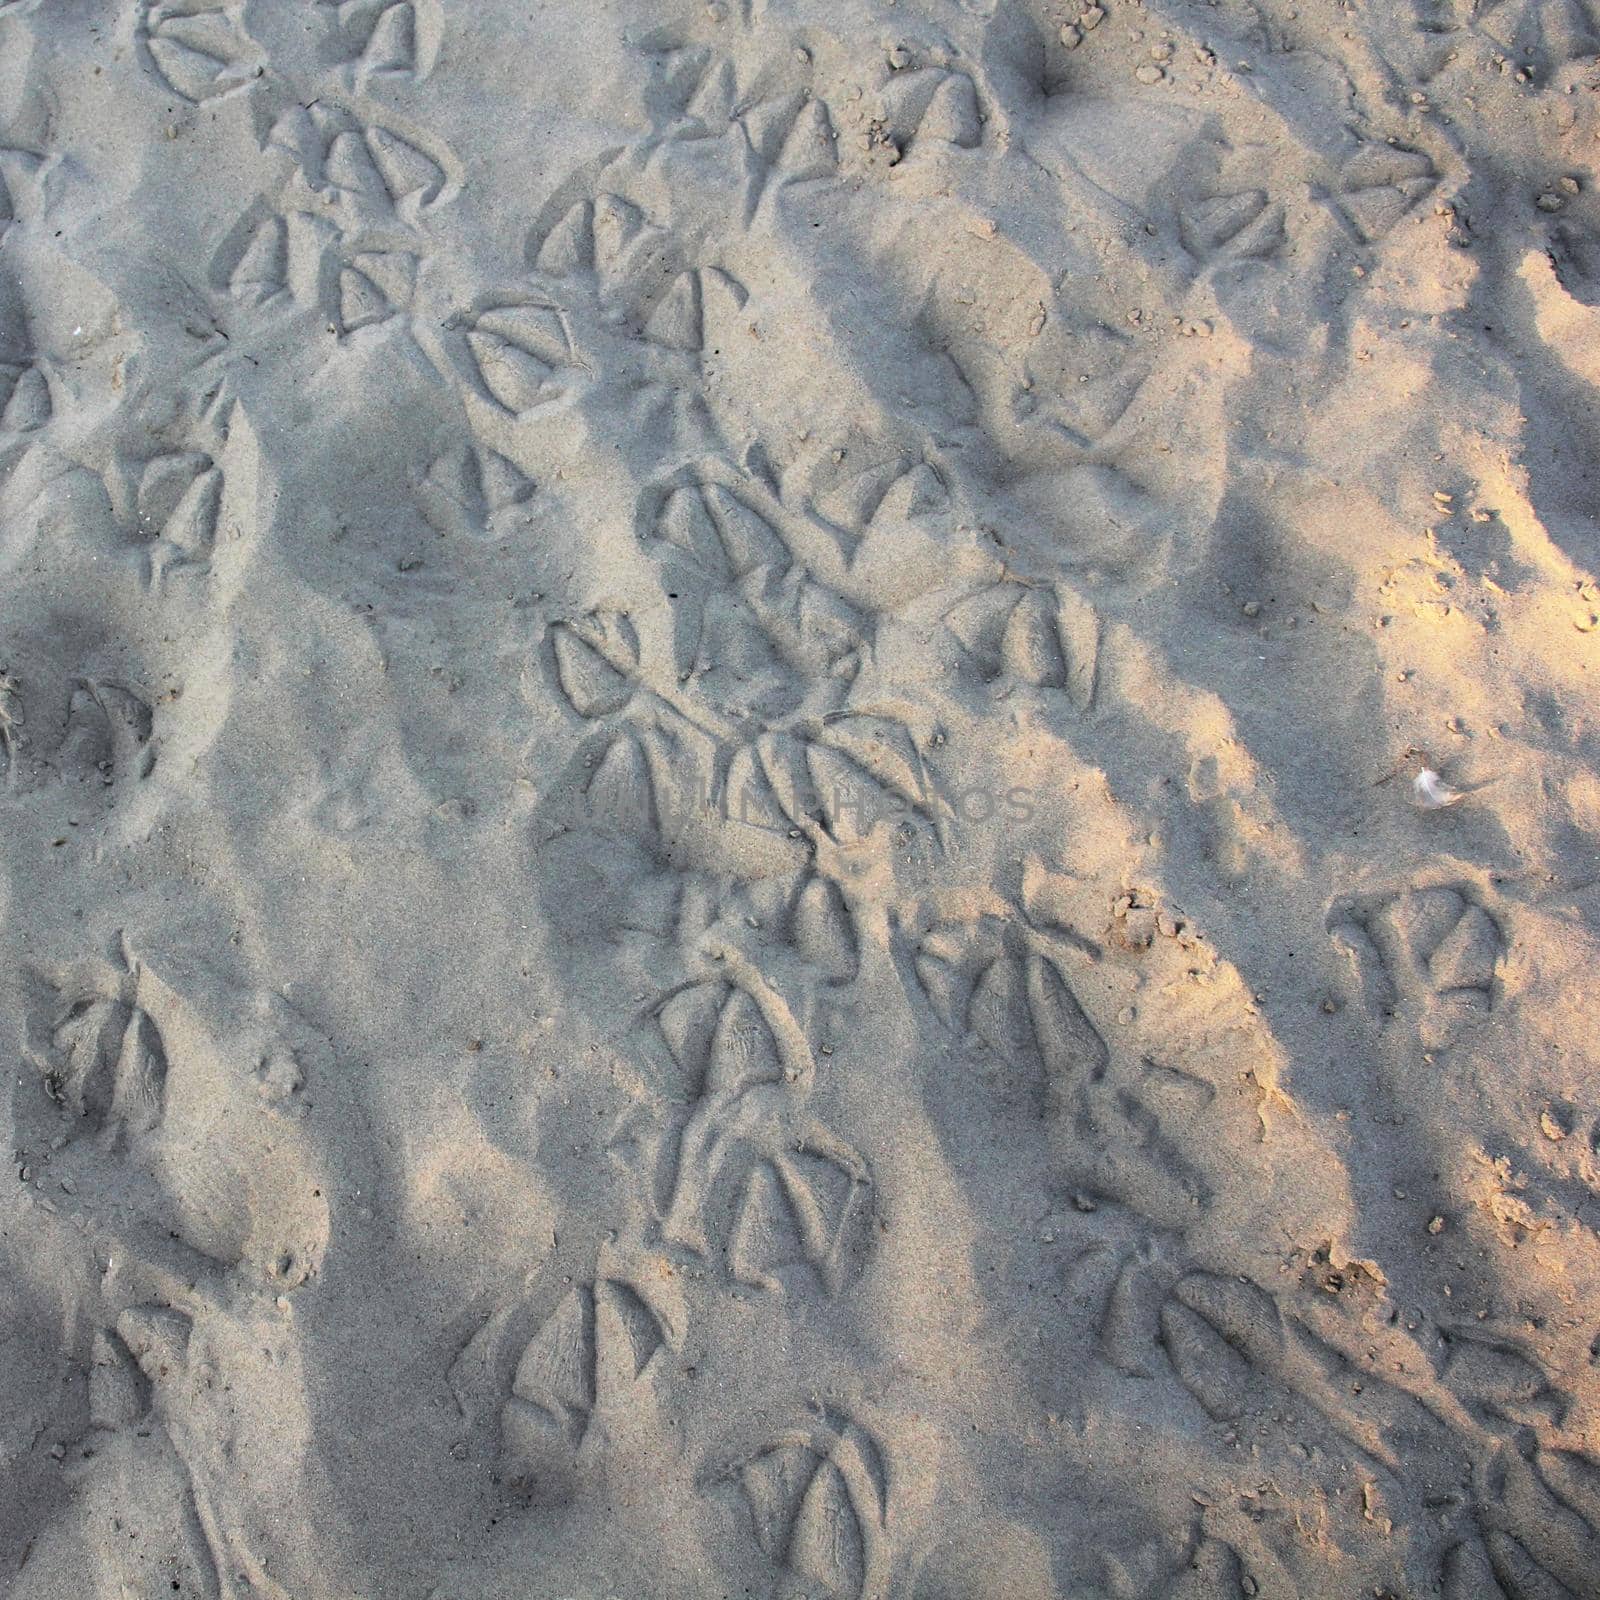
{"x":1436,"y":1225}
{"x":1149,"y":72}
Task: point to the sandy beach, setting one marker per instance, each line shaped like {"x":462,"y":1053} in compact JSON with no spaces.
{"x":799,"y":799}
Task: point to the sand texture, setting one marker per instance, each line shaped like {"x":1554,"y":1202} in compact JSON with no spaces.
{"x":799,"y":799}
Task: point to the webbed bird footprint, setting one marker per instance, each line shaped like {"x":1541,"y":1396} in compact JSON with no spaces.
{"x":1428,"y":955}
{"x":818,"y":1503}
{"x":175,"y":1109}
{"x":597,"y":1343}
